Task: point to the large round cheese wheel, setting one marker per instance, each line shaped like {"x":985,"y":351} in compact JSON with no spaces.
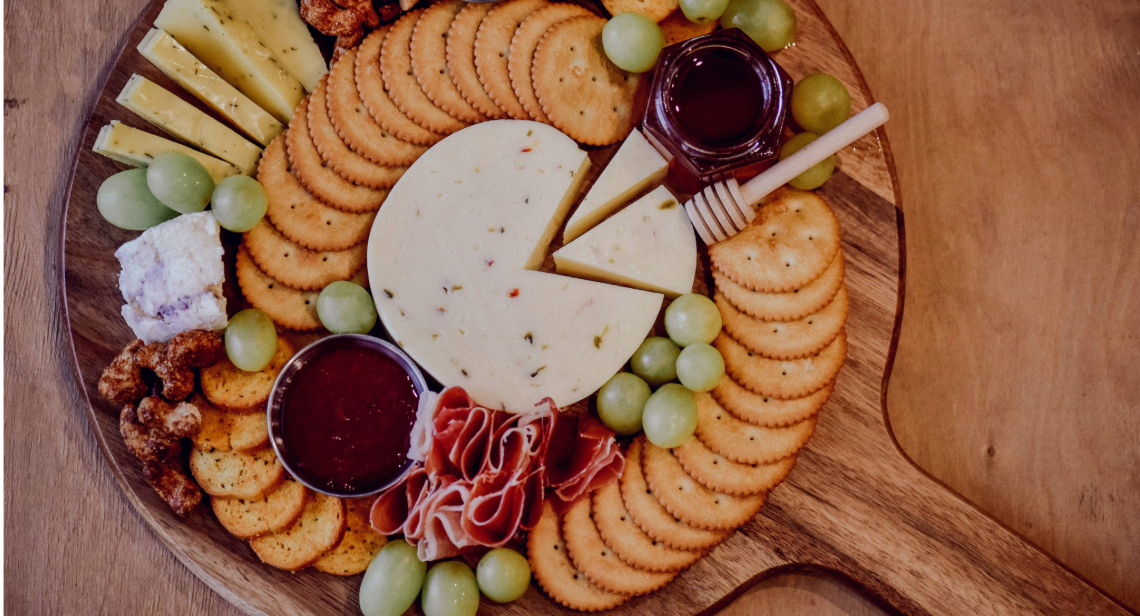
{"x":452,"y":259}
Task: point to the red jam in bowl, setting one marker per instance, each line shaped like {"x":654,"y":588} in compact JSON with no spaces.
{"x":342,"y":416}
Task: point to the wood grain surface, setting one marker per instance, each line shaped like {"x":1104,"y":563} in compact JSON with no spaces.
{"x":58,"y":562}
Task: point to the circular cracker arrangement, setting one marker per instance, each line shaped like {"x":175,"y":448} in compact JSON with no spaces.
{"x":780,"y":292}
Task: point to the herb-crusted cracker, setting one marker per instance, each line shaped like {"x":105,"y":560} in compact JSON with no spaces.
{"x":236,"y":474}
{"x":358,"y":546}
{"x":233,"y":389}
{"x":246,"y":519}
{"x":676,"y":27}
{"x":319,"y":528}
{"x":229,"y":431}
{"x":657,"y":10}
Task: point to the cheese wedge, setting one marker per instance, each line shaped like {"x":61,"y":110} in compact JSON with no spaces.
{"x":196,"y":78}
{"x":160,"y":107}
{"x":138,"y":148}
{"x":223,"y":41}
{"x":451,"y":262}
{"x":635,"y":166}
{"x":279,"y":24}
{"x":649,"y":245}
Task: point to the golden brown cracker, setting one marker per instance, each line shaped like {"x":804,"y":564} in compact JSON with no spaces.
{"x":236,"y":390}
{"x":360,"y":542}
{"x":400,"y":80}
{"x":598,"y":562}
{"x":787,"y":306}
{"x":651,"y":516}
{"x":492,"y":48}
{"x":743,"y":442}
{"x":288,"y":307}
{"x":782,"y":378}
{"x":723,"y":475}
{"x":296,"y":265}
{"x":656,"y":10}
{"x":229,"y":431}
{"x":767,"y":411}
{"x":300,"y":216}
{"x":676,"y":27}
{"x":461,"y":58}
{"x":582,"y":93}
{"x":554,"y":572}
{"x":236,"y":474}
{"x":785,"y":339}
{"x":319,"y":528}
{"x":371,"y":92}
{"x":246,"y":519}
{"x":345,"y":162}
{"x":690,"y":501}
{"x":429,"y":61}
{"x":521,"y":54}
{"x":622,"y":535}
{"x":792,"y":241}
{"x":320,"y":180}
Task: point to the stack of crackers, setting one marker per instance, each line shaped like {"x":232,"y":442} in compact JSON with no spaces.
{"x":288,"y":525}
{"x":784,"y":305}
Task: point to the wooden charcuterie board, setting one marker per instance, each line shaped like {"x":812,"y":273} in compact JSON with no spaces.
{"x":854,"y":506}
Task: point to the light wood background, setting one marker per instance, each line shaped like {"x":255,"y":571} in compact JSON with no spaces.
{"x":1017,"y":381}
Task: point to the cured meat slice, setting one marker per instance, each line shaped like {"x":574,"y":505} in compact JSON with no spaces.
{"x":583,"y":454}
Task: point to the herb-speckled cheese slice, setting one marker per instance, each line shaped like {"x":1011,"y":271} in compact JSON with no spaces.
{"x":223,"y":41}
{"x":649,"y":245}
{"x":165,"y":110}
{"x":138,"y":148}
{"x":197,"y":79}
{"x":451,"y":259}
{"x":279,"y":24}
{"x":635,"y":166}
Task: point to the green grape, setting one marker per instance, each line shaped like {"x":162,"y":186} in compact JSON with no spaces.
{"x":346,"y":308}
{"x":656,"y":361}
{"x":126,"y":202}
{"x":814,"y":177}
{"x":703,"y":11}
{"x":620,"y":402}
{"x":820,"y":102}
{"x":180,"y":182}
{"x":392,"y":581}
{"x":670,"y":416}
{"x":692,"y":318}
{"x":700,"y":367}
{"x":450,"y":590}
{"x":771,"y":23}
{"x":632,"y":41}
{"x":239,"y":203}
{"x":251,"y":340}
{"x":503,"y":575}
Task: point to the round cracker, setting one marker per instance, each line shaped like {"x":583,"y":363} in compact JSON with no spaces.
{"x":743,"y":442}
{"x":622,"y":535}
{"x":598,"y":562}
{"x":792,"y":242}
{"x":657,"y":10}
{"x":345,"y":162}
{"x":400,"y":80}
{"x":787,"y":306}
{"x":651,"y":515}
{"x":582,"y":93}
{"x":300,"y":216}
{"x":236,"y":474}
{"x":690,"y":501}
{"x":371,"y":92}
{"x":296,"y":265}
{"x":320,"y":527}
{"x":359,"y":544}
{"x":676,"y":27}
{"x":429,"y":61}
{"x":760,"y":410}
{"x":288,"y":307}
{"x":726,"y":476}
{"x":280,"y":509}
{"x":493,"y":46}
{"x":233,"y":389}
{"x":785,"y":339}
{"x":521,"y":54}
{"x":554,"y":572}
{"x":782,"y":378}
{"x":318,"y":178}
{"x":461,"y":58}
{"x":226,"y":431}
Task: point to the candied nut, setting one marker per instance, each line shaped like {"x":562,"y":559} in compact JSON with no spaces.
{"x":174,"y":485}
{"x":177,"y":381}
{"x":351,"y":16}
{"x":122,"y":381}
{"x":181,"y":419}
{"x":144,"y":443}
{"x":195,"y":348}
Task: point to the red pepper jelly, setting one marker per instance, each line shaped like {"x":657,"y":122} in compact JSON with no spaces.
{"x":717,"y":105}
{"x":341,"y":417}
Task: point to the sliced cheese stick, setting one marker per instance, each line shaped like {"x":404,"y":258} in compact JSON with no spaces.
{"x":138,"y":149}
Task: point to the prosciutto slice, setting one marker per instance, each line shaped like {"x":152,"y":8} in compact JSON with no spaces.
{"x":583,"y":455}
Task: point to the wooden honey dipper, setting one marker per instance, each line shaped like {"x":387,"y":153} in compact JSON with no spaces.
{"x":725,"y":208}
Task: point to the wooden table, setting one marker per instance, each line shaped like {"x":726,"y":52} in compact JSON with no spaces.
{"x":1015,"y":381}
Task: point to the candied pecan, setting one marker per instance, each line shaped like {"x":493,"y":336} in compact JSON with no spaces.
{"x":196,"y":348}
{"x":177,"y":381}
{"x":181,"y":419}
{"x":122,"y":381}
{"x":174,"y":485}
{"x":144,"y":443}
{"x":352,"y":16}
